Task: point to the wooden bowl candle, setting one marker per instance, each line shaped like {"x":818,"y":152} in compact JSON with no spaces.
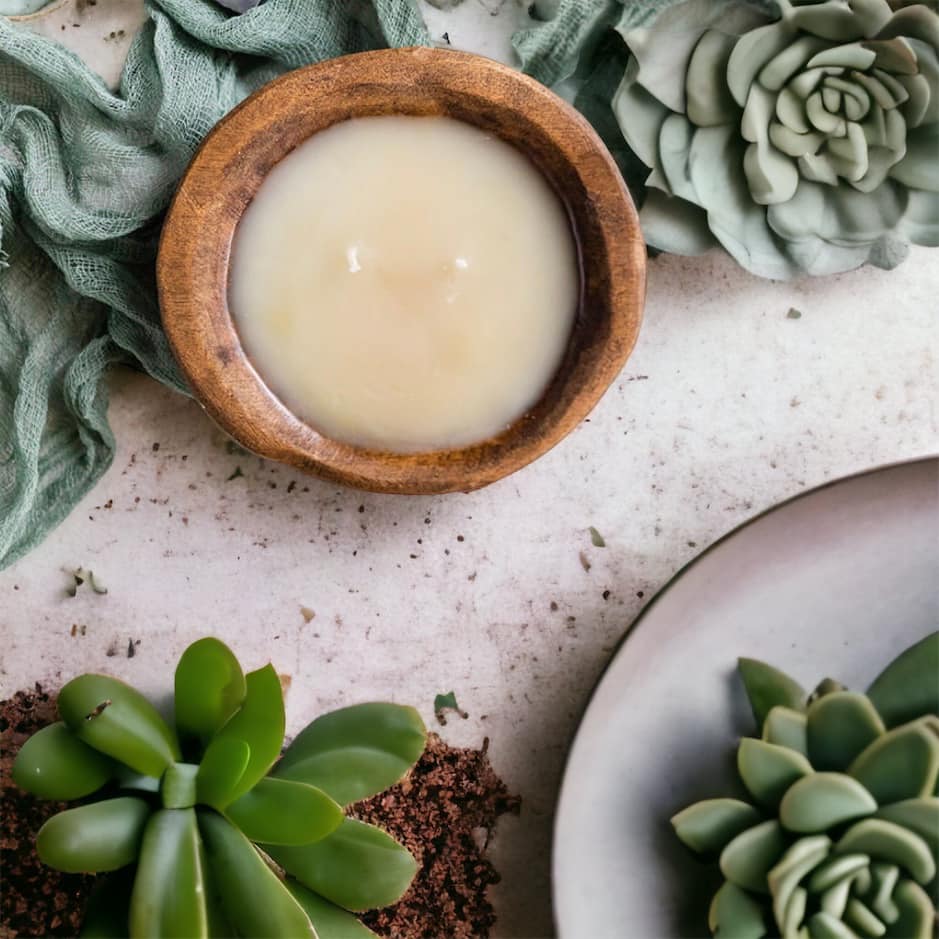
{"x":408,"y":271}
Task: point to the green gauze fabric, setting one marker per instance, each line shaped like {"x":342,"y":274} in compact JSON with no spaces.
{"x":84,"y":177}
{"x":86,"y":174}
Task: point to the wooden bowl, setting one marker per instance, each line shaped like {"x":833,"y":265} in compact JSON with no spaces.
{"x":225,"y":174}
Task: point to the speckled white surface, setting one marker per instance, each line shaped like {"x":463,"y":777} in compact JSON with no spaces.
{"x":727,"y":406}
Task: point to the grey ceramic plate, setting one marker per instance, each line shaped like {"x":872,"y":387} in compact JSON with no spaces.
{"x":838,"y":580}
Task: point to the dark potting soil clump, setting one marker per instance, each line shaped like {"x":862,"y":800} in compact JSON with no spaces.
{"x":444,"y":813}
{"x":35,"y":900}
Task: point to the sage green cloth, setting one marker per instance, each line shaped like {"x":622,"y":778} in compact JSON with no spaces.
{"x":85,"y":175}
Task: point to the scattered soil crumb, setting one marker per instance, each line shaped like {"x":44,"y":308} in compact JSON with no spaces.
{"x":35,"y":900}
{"x":584,"y":563}
{"x":307,"y":614}
{"x":444,"y":813}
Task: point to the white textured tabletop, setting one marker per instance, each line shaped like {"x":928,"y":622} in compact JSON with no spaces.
{"x":728,"y":405}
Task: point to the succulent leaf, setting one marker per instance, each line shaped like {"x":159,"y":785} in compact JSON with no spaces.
{"x":108,"y":908}
{"x":220,"y":771}
{"x":735,"y":913}
{"x":767,"y":687}
{"x":884,"y":879}
{"x":209,"y":689}
{"x":840,"y":726}
{"x":916,"y":914}
{"x":280,"y":811}
{"x":891,"y":843}
{"x":709,"y":826}
{"x":117,"y":720}
{"x":825,"y":926}
{"x":902,"y":764}
{"x":178,"y":787}
{"x":822,"y":800}
{"x":768,"y":770}
{"x":356,"y":752}
{"x":55,"y":764}
{"x":329,"y":921}
{"x":784,"y":878}
{"x":260,"y":724}
{"x":102,"y":836}
{"x":751,"y":855}
{"x":907,"y":688}
{"x":251,"y":892}
{"x":358,"y":867}
{"x":838,"y":868}
{"x":919,"y":815}
{"x":787,"y":728}
{"x":169,"y":890}
{"x":126,"y":778}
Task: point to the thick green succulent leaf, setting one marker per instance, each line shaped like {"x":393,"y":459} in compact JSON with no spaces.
{"x":785,"y":877}
{"x":825,"y":926}
{"x":767,"y":687}
{"x":126,"y":778}
{"x":884,"y":878}
{"x":787,"y":728}
{"x":735,"y":913}
{"x":358,"y":867}
{"x":221,"y":770}
{"x":918,"y":815}
{"x":329,"y":921}
{"x":252,"y":895}
{"x":108,"y":910}
{"x":840,"y":726}
{"x":102,"y":836}
{"x":838,"y":868}
{"x":709,"y":826}
{"x":280,"y":811}
{"x":178,"y":787}
{"x":768,"y":770}
{"x":917,"y":915}
{"x":119,"y":721}
{"x":907,"y":688}
{"x":751,"y":855}
{"x":260,"y":724}
{"x":169,"y":891}
{"x":822,"y":800}
{"x":356,"y":752}
{"x":902,"y":764}
{"x":890,"y":843}
{"x":55,"y":764}
{"x":210,"y":687}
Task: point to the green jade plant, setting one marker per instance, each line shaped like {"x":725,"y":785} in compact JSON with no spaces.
{"x":203,"y":836}
{"x":841,"y":838}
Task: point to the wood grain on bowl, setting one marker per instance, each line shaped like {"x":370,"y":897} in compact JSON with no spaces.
{"x":193,"y":266}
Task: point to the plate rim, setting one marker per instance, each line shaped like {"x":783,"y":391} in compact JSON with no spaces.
{"x":659,"y":595}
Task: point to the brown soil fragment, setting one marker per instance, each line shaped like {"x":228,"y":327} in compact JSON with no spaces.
{"x":444,"y":813}
{"x":35,"y":900}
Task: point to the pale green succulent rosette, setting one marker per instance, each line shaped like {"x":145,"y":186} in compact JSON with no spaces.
{"x":842,"y":836}
{"x":803,"y":143}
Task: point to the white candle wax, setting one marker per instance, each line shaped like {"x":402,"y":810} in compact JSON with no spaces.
{"x":405,"y":283}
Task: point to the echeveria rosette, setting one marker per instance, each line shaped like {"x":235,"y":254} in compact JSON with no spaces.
{"x":841,"y":836}
{"x":806,"y":143}
{"x":185,"y":819}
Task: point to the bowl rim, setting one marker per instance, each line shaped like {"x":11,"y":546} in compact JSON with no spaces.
{"x":231,"y":163}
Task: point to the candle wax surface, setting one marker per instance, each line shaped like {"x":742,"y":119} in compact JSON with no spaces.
{"x":405,"y":283}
